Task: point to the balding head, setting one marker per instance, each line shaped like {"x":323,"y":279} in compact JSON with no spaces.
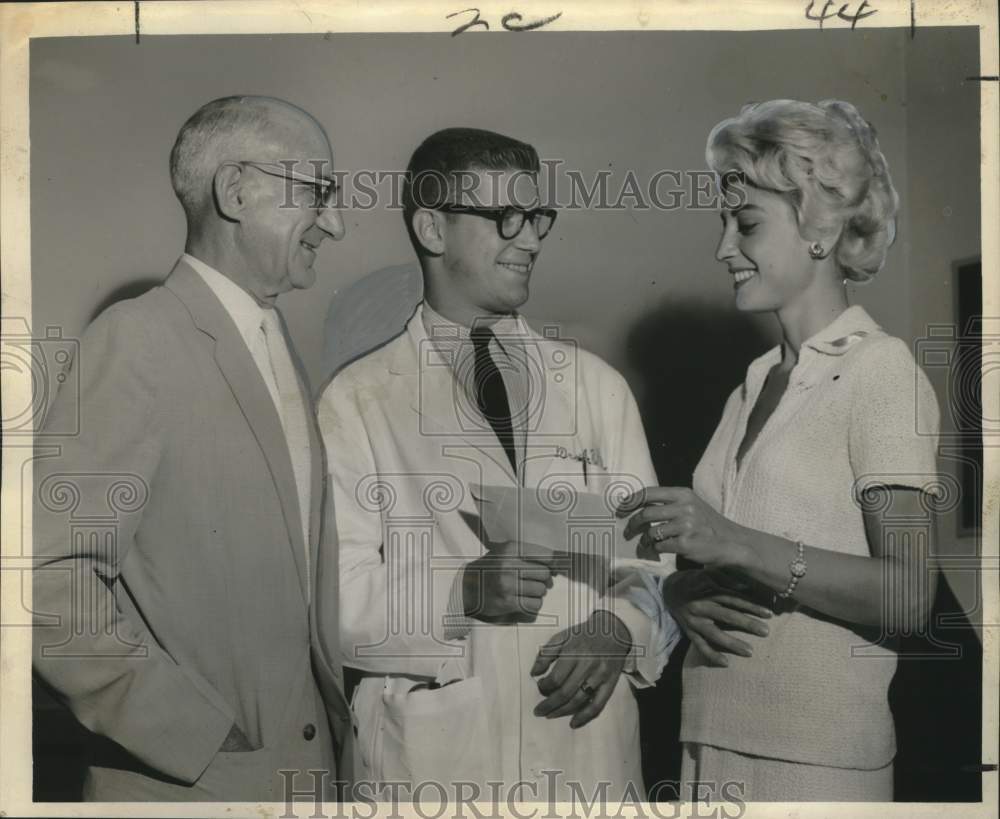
{"x":262,"y":129}
{"x":254,"y":176}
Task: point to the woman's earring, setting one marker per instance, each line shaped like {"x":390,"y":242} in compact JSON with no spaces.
{"x":816,"y":250}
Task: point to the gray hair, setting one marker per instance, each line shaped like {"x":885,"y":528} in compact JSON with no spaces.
{"x":827,"y":160}
{"x":217,"y":131}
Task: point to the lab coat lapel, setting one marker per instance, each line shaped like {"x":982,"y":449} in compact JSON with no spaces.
{"x":553,"y":424}
{"x":438,"y":399}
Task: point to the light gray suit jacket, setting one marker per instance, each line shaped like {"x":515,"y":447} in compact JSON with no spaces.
{"x":170,"y":591}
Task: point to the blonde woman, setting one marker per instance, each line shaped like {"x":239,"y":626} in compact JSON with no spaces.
{"x":816,"y":456}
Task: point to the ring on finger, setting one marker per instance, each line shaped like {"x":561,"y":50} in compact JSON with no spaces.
{"x":588,"y":690}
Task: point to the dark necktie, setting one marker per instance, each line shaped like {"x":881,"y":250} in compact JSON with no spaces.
{"x":491,"y":394}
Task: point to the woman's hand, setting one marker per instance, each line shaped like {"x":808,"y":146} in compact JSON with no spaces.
{"x":708,"y":611}
{"x":674,"y":519}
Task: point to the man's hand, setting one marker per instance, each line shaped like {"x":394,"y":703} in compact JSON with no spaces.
{"x":508,"y":582}
{"x":236,"y":740}
{"x":583,"y":664}
{"x":706,"y":610}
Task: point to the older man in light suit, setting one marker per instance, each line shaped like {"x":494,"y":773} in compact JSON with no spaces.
{"x":184,"y":640}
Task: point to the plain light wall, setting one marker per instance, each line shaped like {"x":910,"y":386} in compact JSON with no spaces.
{"x":641,"y":288}
{"x":104,"y":114}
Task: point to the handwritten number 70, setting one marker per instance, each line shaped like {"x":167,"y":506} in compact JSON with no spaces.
{"x":511,"y":21}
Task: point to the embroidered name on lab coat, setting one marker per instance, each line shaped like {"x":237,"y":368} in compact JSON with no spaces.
{"x":590,"y":456}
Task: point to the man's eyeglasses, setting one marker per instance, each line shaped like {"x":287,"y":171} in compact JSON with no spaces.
{"x":324,"y":190}
{"x":509,"y":219}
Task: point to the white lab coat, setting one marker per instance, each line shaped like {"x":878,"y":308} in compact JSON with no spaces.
{"x":404,"y":447}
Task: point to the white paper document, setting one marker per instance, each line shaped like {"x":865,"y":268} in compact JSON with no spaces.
{"x":571,"y":523}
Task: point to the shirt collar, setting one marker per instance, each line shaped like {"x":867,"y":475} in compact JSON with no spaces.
{"x":843,"y":332}
{"x":850,"y":327}
{"x":246,"y":313}
{"x":447,"y":335}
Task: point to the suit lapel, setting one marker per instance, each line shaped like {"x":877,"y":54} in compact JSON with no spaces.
{"x":251,"y":394}
{"x":317,"y":466}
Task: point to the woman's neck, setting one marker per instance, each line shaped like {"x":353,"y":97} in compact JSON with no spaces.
{"x":801,"y":321}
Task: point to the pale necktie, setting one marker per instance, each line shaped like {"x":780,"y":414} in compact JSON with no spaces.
{"x":292,"y":410}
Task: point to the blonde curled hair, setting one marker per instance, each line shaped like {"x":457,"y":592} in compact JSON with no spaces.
{"x":825,"y":157}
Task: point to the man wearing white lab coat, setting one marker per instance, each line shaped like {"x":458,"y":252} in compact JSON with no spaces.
{"x":495,"y":672}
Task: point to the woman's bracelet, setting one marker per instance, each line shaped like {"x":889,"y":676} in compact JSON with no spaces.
{"x":797,"y":569}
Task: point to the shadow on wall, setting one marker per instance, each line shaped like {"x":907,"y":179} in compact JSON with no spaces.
{"x":131,"y":290}
{"x":689,"y":358}
{"x":367,"y":314}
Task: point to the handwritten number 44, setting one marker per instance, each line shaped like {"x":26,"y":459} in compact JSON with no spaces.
{"x":511,"y":21}
{"x":827,"y":13}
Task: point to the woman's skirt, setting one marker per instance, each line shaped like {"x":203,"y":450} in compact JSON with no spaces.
{"x":715,"y":774}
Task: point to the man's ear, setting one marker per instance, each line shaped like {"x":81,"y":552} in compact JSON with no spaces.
{"x":227,"y":188}
{"x":427,"y":227}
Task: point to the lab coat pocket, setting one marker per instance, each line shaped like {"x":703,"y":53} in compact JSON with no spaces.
{"x":440,"y":734}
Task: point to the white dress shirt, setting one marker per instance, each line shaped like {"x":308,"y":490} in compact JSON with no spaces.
{"x":249,"y":317}
{"x":246,"y":314}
